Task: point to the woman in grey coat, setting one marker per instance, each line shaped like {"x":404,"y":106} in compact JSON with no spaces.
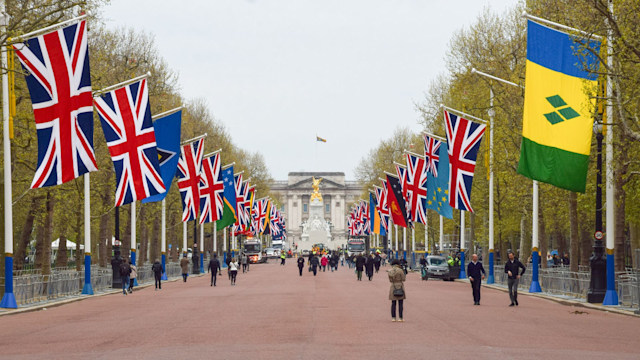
{"x":397,"y":294}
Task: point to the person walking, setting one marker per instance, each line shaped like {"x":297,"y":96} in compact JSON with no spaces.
{"x":360,"y":260}
{"x":125,"y":270}
{"x":184,"y":265}
{"x":132,"y":277}
{"x":244,"y":260}
{"x":283,"y":257}
{"x":512,"y":269}
{"x":341,"y":258}
{"x":476,"y":273}
{"x":300,"y":262}
{"x":324,"y":261}
{"x":369,"y":265}
{"x":396,"y":291}
{"x":233,"y":270}
{"x":157,"y":273}
{"x":215,"y":269}
{"x":228,"y":261}
{"x":314,"y":262}
{"x":376,"y":261}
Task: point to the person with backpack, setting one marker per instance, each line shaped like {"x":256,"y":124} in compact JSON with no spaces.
{"x":314,"y":263}
{"x":157,"y":273}
{"x":132,"y":277}
{"x":397,"y":295}
{"x":233,"y":270}
{"x":359,"y":261}
{"x":125,"y":270}
{"x":214,"y":267}
{"x":184,"y":265}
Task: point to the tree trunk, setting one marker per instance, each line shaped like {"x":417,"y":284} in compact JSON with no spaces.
{"x":586,"y":247}
{"x":472,"y":232}
{"x":61,"y":257}
{"x":102,"y":240}
{"x":48,"y":234}
{"x":619,"y":242}
{"x":25,"y":234}
{"x":574,"y":234}
{"x":39,"y":245}
{"x":125,"y":235}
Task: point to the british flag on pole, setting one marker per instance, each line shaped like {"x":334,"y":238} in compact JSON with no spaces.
{"x":431,"y":148}
{"x":211,"y":189}
{"x":126,"y":122}
{"x":60,"y":86}
{"x":189,"y":167}
{"x":463,"y":140}
{"x":416,"y":185}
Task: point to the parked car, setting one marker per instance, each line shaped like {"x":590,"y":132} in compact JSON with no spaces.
{"x":305,"y":252}
{"x":437,"y":267}
{"x":271,"y":252}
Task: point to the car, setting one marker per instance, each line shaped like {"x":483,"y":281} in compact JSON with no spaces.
{"x":437,"y":267}
{"x":305,"y":252}
{"x":271,"y":252}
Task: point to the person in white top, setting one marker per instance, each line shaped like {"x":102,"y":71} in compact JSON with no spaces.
{"x":233,"y":270}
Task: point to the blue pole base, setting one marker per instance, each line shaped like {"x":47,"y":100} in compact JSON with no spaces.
{"x":224,"y":260}
{"x":201,"y":263}
{"x":164,"y":271}
{"x":463,"y":273}
{"x":133,"y":257}
{"x":535,"y":287}
{"x":87,"y":289}
{"x":611,"y":296}
{"x":8,"y":299}
{"x":491,"y":279}
{"x":135,"y":282}
{"x":404,"y":255}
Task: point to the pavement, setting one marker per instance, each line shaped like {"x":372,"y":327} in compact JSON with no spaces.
{"x":272,"y":313}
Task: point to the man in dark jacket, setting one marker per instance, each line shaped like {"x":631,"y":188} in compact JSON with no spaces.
{"x":476,"y":273}
{"x":512,"y":269}
{"x":125,"y":271}
{"x":157,"y":273}
{"x":376,"y":261}
{"x":215,"y":269}
{"x":300,"y":264}
{"x":360,"y":261}
{"x":314,"y":262}
{"x":369,"y":266}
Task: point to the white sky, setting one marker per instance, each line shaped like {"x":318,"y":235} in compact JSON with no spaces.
{"x":278,"y":72}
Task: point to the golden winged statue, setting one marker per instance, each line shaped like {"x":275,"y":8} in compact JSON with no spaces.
{"x":316,"y":189}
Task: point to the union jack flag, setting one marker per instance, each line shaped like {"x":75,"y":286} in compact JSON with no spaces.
{"x":431,"y":148}
{"x":351,"y":225}
{"x":274,"y":225}
{"x":189,"y":167}
{"x":211,"y":190}
{"x":240,"y":189}
{"x":364,"y":218}
{"x":382,"y":202}
{"x":125,"y":116}
{"x":463,"y":139}
{"x":416,"y":188}
{"x":60,"y":88}
{"x":260,"y":209}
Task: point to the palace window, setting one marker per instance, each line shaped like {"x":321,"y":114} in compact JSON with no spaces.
{"x":305,"y":208}
{"x":327,"y":208}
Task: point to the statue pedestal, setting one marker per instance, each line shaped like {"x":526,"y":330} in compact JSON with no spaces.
{"x":315,"y":230}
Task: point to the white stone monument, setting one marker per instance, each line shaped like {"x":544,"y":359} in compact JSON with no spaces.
{"x":315,"y":230}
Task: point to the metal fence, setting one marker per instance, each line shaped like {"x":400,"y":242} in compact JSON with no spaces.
{"x":32,"y":286}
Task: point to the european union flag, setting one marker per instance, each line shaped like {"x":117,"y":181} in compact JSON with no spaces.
{"x":438,"y":187}
{"x":167,"y":129}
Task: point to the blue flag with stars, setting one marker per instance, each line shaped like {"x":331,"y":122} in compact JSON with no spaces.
{"x":229,"y":199}
{"x":438,"y":187}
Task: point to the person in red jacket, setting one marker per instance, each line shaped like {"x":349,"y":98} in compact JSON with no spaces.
{"x":323,"y":262}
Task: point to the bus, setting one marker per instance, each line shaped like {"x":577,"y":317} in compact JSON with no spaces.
{"x":253,"y":249}
{"x":355,"y":246}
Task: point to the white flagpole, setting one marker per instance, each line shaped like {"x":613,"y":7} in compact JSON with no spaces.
{"x":163,"y":237}
{"x":184,"y":238}
{"x":441,"y":235}
{"x":215,"y":238}
{"x":133,"y":233}
{"x":397,"y":247}
{"x":87,"y":289}
{"x":201,"y":248}
{"x":426,"y":239}
{"x":8,"y":299}
{"x":463,"y":275}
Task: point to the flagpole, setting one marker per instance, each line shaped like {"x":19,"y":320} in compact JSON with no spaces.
{"x":194,"y":139}
{"x":168,"y":112}
{"x":492,"y":112}
{"x":463,"y":274}
{"x":87,"y":289}
{"x":163,"y":237}
{"x":212,"y":153}
{"x":564,"y":27}
{"x":28,"y":35}
{"x":215,"y":239}
{"x":467,"y":116}
{"x":202,"y":248}
{"x":441,"y":235}
{"x":184,"y":238}
{"x":134,"y":246}
{"x":413,"y":246}
{"x":121,"y":84}
{"x":610,"y":296}
{"x":397,"y":247}
{"x":426,"y":239}
{"x":8,"y":299}
{"x":224,"y":247}
{"x":404,"y":243}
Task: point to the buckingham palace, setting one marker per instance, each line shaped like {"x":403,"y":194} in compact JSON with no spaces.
{"x":301,"y":213}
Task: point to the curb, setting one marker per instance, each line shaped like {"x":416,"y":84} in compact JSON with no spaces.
{"x":75,"y":299}
{"x":566,"y":302}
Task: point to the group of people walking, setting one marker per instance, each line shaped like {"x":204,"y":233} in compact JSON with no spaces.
{"x":476,"y":273}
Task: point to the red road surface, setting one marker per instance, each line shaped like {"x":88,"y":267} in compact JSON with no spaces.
{"x":273,"y":313}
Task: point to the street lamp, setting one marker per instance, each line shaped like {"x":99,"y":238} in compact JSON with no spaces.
{"x":598,"y":283}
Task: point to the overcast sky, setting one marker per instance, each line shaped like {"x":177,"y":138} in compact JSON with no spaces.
{"x":278,"y":72}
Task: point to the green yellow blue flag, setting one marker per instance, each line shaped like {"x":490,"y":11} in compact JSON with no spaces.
{"x":557,"y":123}
{"x":228,"y":199}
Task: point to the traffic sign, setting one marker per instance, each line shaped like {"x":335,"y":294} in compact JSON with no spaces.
{"x":598,"y":235}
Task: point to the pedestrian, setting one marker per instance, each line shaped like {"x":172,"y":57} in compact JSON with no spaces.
{"x":383,"y":259}
{"x":215,"y":269}
{"x":125,"y":270}
{"x":324,"y":261}
{"x":244,"y":260}
{"x":233,"y":270}
{"x":228,"y":261}
{"x":549,"y":261}
{"x":369,"y":265}
{"x":157,"y":273}
{"x":396,"y":291}
{"x":565,"y":260}
{"x":512,"y":269}
{"x":314,"y":262}
{"x":132,"y":277}
{"x":300,"y":264}
{"x":283,"y":257}
{"x":341,"y":258}
{"x":377,"y":260}
{"x":184,"y":264}
{"x":476,"y":273}
{"x":360,"y":260}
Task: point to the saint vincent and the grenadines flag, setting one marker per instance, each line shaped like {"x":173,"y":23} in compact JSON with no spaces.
{"x":557,"y":123}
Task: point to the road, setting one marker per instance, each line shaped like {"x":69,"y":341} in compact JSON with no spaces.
{"x":273,"y":313}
